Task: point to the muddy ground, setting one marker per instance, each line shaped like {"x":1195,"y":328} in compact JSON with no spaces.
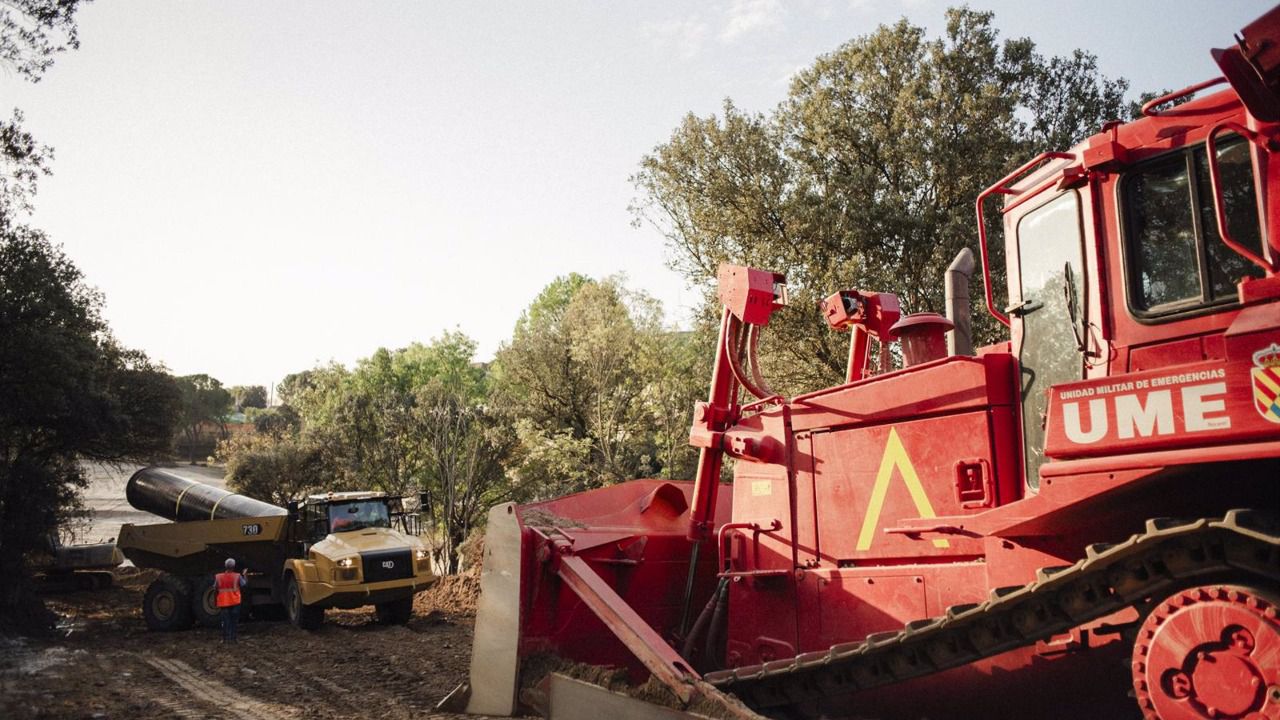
{"x":104,"y":663}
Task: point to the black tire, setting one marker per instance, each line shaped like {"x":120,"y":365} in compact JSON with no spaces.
{"x":204,"y":602}
{"x":395,"y":612}
{"x":304,"y":616}
{"x":167,"y":605}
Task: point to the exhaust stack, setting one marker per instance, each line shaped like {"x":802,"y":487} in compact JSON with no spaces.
{"x":960,"y":341}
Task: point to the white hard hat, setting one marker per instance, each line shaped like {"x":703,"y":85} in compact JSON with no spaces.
{"x":230,"y":563}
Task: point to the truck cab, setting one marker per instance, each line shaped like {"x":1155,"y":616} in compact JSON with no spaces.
{"x":353,"y":554}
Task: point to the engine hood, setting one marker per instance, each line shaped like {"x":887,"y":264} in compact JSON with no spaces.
{"x":339,"y":545}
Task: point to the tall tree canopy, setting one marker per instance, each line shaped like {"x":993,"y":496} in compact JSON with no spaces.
{"x":865,"y":175}
{"x":204,"y":402}
{"x":248,"y":396}
{"x":600,"y":391}
{"x":68,"y":391}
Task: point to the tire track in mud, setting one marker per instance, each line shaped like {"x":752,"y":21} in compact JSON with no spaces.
{"x":343,"y":685}
{"x":164,"y":699}
{"x":225,"y":699}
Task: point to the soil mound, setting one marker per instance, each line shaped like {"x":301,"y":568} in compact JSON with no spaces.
{"x":451,"y":595}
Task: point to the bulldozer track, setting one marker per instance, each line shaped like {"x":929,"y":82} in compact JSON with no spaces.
{"x":1167,"y":555}
{"x":217,"y":694}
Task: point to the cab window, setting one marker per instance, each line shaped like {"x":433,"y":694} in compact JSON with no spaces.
{"x":345,"y":517}
{"x":1176,"y":260}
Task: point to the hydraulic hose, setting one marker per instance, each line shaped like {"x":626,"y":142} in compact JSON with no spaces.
{"x":719,"y":625}
{"x":704,"y":619}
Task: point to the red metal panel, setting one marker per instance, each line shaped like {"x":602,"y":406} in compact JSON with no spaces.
{"x":623,"y":622}
{"x":1177,"y":352}
{"x":762,"y":494}
{"x":1189,"y":406}
{"x":870,"y":479}
{"x":852,"y":606}
{"x":948,"y":385}
{"x":632,"y":536}
{"x":1007,"y":454}
{"x":762,"y":620}
{"x":806,"y":509}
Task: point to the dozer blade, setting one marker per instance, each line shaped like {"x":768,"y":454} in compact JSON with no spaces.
{"x":495,"y":660}
{"x":592,"y":580}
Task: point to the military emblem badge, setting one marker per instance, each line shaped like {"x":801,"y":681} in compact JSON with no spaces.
{"x":1266,"y":382}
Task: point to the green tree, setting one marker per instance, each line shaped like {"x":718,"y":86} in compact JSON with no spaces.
{"x":407,"y":421}
{"x":248,"y":396}
{"x":465,"y":447}
{"x":68,"y":391}
{"x":32,"y":32}
{"x":277,"y":421}
{"x":275,"y":468}
{"x":865,"y":175}
{"x":600,"y":390}
{"x":204,"y":402}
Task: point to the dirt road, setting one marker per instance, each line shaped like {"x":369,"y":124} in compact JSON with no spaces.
{"x":105,"y":664}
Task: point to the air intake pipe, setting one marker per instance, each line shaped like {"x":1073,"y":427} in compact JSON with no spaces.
{"x":960,"y":341}
{"x":174,"y":497}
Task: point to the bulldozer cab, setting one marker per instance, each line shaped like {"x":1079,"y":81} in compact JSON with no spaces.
{"x":1115,"y":251}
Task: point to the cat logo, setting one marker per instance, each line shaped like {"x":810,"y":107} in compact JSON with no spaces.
{"x":1266,"y":382}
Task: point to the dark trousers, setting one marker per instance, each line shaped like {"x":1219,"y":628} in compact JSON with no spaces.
{"x":230,"y":618}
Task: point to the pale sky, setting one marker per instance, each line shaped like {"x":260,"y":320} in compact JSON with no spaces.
{"x":261,"y":187}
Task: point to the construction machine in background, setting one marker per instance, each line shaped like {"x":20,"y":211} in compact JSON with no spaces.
{"x":1078,"y":521}
{"x":336,"y":550}
{"x":85,"y":566}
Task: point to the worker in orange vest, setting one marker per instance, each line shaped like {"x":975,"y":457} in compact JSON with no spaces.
{"x":228,"y":584}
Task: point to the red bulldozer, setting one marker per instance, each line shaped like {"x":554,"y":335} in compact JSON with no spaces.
{"x":1076,"y":522}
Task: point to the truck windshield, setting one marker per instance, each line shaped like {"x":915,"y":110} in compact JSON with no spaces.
{"x":358,"y":515}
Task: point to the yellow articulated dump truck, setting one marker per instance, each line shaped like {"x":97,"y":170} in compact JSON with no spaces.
{"x":337,"y":550}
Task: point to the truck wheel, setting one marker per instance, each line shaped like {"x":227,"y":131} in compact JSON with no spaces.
{"x":204,"y":602}
{"x":395,"y":612}
{"x":167,"y":605}
{"x":304,"y":616}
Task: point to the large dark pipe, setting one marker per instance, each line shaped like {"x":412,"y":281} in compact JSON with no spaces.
{"x":960,"y":341}
{"x":174,"y":497}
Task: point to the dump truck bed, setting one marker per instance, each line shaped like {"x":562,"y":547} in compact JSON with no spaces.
{"x":195,"y":547}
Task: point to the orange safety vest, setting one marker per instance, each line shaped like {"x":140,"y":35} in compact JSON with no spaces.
{"x":228,"y":589}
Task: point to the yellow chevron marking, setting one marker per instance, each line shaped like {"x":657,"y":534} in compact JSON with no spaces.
{"x":895,"y":457}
